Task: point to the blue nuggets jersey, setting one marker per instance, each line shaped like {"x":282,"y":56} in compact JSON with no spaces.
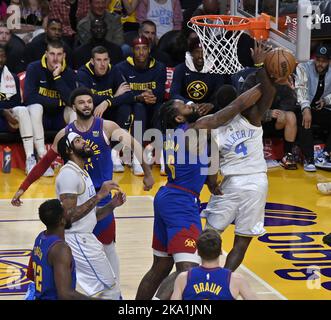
{"x":43,"y":271}
{"x":100,"y":166}
{"x":100,"y":169}
{"x":184,"y":169}
{"x":208,"y":284}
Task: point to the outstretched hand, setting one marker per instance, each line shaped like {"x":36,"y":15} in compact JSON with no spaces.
{"x":16,"y":201}
{"x":261,"y":48}
{"x":118,"y":199}
{"x":106,"y":188}
{"x":148,"y":182}
{"x":204,"y":108}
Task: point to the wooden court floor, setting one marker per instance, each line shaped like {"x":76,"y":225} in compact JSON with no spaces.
{"x":289,"y":262}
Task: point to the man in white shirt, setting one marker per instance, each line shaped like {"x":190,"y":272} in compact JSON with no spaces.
{"x":76,"y":191}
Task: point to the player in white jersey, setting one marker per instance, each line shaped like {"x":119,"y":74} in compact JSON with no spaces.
{"x":76,"y":191}
{"x":242,"y":195}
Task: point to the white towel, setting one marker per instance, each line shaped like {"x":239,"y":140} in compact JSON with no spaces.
{"x":7,"y":83}
{"x":189,"y":63}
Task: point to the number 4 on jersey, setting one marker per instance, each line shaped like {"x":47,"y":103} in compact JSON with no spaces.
{"x":241,"y":148}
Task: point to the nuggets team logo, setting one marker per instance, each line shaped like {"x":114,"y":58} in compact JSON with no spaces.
{"x":13,"y":280}
{"x":190,"y":243}
{"x":95,"y":134}
{"x":197,"y":90}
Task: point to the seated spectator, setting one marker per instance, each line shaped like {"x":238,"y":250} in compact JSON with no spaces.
{"x":37,"y":47}
{"x":98,"y":31}
{"x":48,"y":83}
{"x":14,"y":49}
{"x":166,"y":14}
{"x":280,"y":119}
{"x":192,"y":83}
{"x":313,"y":87}
{"x":13,"y":115}
{"x":34,"y":15}
{"x":98,"y":10}
{"x":146,"y":78}
{"x":281,"y":116}
{"x":69,"y":12}
{"x":127,"y":10}
{"x":98,"y":75}
{"x":148,"y":30}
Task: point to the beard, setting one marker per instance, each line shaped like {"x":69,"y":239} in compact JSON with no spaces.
{"x":84,"y":153}
{"x":83,"y":116}
{"x":194,"y":116}
{"x":68,"y":225}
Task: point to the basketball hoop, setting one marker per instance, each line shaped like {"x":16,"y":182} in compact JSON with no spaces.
{"x":219,"y":36}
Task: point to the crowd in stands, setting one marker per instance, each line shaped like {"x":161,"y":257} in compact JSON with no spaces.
{"x":134,"y":55}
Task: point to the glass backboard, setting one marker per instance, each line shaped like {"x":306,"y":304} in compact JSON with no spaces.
{"x":290,"y":22}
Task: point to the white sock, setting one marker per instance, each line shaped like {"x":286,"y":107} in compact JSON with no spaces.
{"x":36,"y":114}
{"x":28,"y":146}
{"x":115,"y":157}
{"x":113,"y":259}
{"x":135,"y":160}
{"x":25,"y":127}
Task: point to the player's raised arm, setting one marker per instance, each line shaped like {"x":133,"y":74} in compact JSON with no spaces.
{"x":268,"y":90}
{"x":244,"y":101}
{"x":38,"y":170}
{"x":116,"y":133}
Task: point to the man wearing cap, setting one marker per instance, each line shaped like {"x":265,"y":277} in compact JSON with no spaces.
{"x":146,"y":78}
{"x":76,"y":191}
{"x":313,"y":88}
{"x":192,"y":82}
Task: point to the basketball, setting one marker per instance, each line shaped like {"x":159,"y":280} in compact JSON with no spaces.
{"x":279,"y":63}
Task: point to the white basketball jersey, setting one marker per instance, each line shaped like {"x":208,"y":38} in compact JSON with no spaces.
{"x":241,"y":147}
{"x":72,"y":179}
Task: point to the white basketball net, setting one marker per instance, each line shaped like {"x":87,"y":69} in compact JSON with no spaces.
{"x":219,"y":45}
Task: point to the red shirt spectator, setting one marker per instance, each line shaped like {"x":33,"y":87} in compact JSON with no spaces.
{"x":60,"y":9}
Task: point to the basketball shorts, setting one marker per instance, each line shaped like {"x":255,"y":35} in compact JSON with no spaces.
{"x":243,"y":202}
{"x":177,"y":225}
{"x":93,"y":270}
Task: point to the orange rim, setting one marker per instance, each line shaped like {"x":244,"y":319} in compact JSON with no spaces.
{"x":243,"y":23}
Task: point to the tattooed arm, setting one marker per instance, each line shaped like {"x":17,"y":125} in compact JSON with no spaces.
{"x":69,"y":203}
{"x":69,"y":185}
